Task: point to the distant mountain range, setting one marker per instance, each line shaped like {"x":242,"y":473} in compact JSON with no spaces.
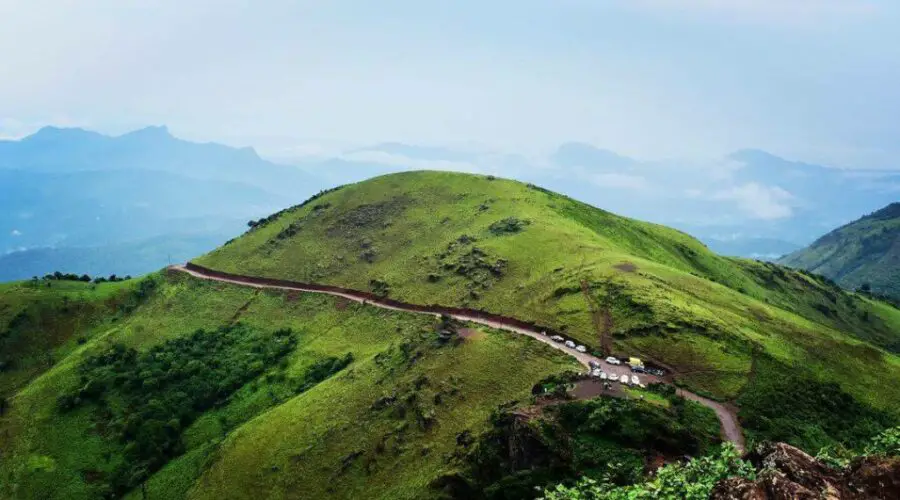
{"x":68,"y":197}
{"x":863,"y":254}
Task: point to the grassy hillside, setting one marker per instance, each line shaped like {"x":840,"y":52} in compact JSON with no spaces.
{"x":519,"y":250}
{"x":864,"y":253}
{"x":280,"y":393}
{"x":43,"y":321}
{"x":173,"y":387}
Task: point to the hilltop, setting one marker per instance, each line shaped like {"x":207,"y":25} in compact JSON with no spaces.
{"x":862,"y":254}
{"x":171,"y":386}
{"x":518,"y":250}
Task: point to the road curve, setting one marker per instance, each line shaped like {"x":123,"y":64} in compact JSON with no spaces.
{"x":731,"y":429}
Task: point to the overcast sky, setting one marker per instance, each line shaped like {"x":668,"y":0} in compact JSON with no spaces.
{"x":813,"y":80}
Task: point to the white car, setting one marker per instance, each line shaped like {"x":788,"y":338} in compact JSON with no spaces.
{"x":613,"y":377}
{"x":613,"y":361}
{"x":581,"y":348}
{"x":596,"y":372}
{"x":634,"y":380}
{"x":603,"y":376}
{"x":570,"y":344}
{"x":557,"y":338}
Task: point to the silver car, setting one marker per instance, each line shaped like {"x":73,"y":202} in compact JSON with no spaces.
{"x":613,"y":377}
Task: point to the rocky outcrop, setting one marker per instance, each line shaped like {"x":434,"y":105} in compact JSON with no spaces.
{"x":787,"y":473}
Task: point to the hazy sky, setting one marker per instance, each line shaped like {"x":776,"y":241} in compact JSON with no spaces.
{"x":815,"y":80}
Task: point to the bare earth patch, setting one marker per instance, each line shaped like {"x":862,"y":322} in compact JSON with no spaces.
{"x":592,"y":388}
{"x":341,"y":303}
{"x":471,"y":334}
{"x":626,"y":267}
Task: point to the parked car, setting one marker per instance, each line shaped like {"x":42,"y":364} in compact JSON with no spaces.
{"x":581,"y":348}
{"x":613,"y":361}
{"x":603,"y":376}
{"x":638,"y":369}
{"x":570,"y":344}
{"x":596,"y":372}
{"x":635,"y":380}
{"x":593,"y":364}
{"x":613,"y":377}
{"x":557,"y":338}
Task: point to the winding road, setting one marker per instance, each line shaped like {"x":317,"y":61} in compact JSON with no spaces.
{"x":731,"y":429}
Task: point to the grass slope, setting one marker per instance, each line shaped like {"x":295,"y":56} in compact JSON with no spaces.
{"x":43,"y":321}
{"x":383,"y":425}
{"x":866,"y":251}
{"x":519,"y":250}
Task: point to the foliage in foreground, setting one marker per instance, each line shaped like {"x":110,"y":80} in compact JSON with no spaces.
{"x":693,"y":480}
{"x":608,"y":436}
{"x":696,"y":478}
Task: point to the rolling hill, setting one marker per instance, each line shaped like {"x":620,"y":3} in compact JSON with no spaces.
{"x":864,"y":253}
{"x":175,"y":387}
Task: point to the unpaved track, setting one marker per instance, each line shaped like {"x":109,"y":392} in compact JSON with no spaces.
{"x":731,"y":429}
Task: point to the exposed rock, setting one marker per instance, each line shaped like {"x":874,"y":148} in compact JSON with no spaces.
{"x":796,"y":466}
{"x":738,"y":488}
{"x":787,"y":473}
{"x":873,"y":477}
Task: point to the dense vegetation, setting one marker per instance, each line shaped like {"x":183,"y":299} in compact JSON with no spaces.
{"x":614,"y":438}
{"x":145,"y":400}
{"x":693,"y":480}
{"x":613,"y":284}
{"x":860,"y":255}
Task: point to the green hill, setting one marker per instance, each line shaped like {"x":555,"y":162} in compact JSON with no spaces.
{"x":515,"y":249}
{"x":863,"y":254}
{"x":176,"y":387}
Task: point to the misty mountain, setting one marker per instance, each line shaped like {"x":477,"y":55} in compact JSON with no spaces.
{"x":65,"y":190}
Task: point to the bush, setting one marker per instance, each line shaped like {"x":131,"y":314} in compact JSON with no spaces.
{"x":691,"y":481}
{"x":145,"y":399}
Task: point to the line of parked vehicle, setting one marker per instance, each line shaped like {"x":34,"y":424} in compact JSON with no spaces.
{"x":598,"y":372}
{"x":637,"y":366}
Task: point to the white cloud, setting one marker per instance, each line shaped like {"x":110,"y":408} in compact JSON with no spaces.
{"x":758,"y":201}
{"x":16,"y":232}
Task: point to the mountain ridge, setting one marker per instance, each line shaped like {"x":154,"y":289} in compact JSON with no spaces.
{"x":862,"y":254}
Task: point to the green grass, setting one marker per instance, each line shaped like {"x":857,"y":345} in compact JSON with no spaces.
{"x":42,"y":322}
{"x":250,"y":445}
{"x":414,"y":235}
{"x":863,"y":252}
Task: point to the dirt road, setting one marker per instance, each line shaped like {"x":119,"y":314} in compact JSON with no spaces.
{"x":731,"y":429}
